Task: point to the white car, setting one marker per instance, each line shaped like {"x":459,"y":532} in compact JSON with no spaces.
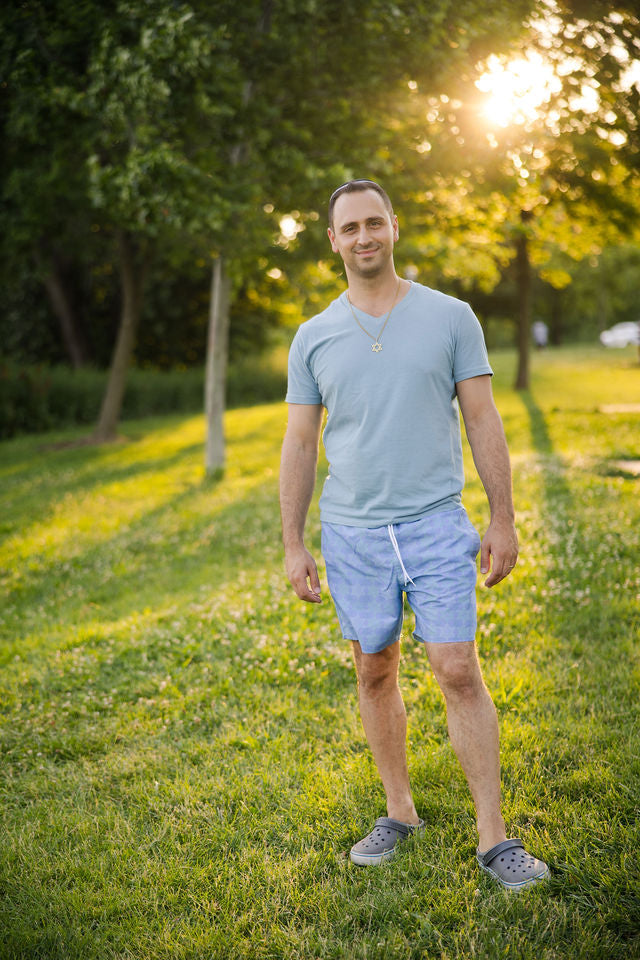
{"x":621,"y":335}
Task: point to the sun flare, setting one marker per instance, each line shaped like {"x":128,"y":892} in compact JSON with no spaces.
{"x":517,"y":89}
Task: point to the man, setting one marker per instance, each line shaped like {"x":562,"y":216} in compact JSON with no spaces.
{"x":391,"y":360}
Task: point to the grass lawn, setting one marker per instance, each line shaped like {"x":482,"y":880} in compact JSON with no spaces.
{"x":183,"y":768}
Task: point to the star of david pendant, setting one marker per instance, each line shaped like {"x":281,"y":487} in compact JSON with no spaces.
{"x":376,"y":347}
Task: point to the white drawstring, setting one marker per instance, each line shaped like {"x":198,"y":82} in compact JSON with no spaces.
{"x":392,"y":537}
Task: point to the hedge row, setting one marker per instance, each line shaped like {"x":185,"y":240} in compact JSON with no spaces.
{"x":35,"y":399}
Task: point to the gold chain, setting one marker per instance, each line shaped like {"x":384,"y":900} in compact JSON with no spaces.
{"x":376,"y":346}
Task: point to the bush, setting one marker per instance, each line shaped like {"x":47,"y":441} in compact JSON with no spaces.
{"x":35,"y":399}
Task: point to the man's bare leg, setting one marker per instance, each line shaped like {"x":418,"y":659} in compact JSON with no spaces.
{"x":473,"y":730}
{"x":385,"y":724}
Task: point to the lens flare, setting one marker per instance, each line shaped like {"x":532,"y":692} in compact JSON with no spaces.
{"x":517,"y":89}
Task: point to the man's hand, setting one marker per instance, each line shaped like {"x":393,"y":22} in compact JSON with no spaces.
{"x":300,"y":567}
{"x":500,"y":542}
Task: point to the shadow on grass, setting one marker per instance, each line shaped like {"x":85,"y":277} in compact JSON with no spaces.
{"x":80,"y":471}
{"x":215,"y":543}
{"x":177,"y":544}
{"x":260,"y":788}
{"x":559,"y":502}
{"x":539,"y":430}
{"x":570,"y":529}
{"x":588,"y":688}
{"x":54,"y":480}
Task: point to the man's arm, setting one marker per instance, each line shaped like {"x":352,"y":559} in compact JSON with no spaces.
{"x":491,"y":457}
{"x":297,"y":480}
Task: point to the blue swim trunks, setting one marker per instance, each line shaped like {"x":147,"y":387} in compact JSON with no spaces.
{"x":432,"y":560}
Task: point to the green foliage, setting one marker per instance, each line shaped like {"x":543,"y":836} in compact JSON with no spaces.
{"x":183,"y":766}
{"x":197,"y":126}
{"x":181,"y":122}
{"x":573,"y":169}
{"x":157,"y":78}
{"x":175,"y":314}
{"x":36,"y":399}
{"x":44,"y":51}
{"x":602,"y":290}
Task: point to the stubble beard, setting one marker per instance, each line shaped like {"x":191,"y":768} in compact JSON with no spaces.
{"x":366,"y":269}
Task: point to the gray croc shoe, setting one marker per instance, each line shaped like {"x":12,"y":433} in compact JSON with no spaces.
{"x":381,"y":843}
{"x":510,"y":864}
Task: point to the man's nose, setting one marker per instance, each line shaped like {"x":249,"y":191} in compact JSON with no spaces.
{"x":363,"y":236}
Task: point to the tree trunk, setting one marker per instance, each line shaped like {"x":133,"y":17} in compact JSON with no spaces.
{"x":61,"y":305}
{"x":219,"y":305}
{"x":216,"y":367}
{"x":523,"y":282}
{"x":132,"y":273}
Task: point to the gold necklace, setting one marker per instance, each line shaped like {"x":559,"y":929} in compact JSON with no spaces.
{"x":376,"y":346}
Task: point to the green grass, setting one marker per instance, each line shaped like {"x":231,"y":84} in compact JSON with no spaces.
{"x":183,"y":765}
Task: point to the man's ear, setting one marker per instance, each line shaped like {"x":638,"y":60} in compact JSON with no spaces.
{"x":332,"y":239}
{"x":396,"y":229}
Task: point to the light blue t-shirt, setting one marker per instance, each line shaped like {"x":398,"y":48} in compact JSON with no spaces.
{"x":392,"y":436}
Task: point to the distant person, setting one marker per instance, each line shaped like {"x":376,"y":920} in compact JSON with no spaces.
{"x":540,"y":334}
{"x":391,"y":360}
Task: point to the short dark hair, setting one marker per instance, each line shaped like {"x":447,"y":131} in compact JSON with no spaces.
{"x":354,"y":186}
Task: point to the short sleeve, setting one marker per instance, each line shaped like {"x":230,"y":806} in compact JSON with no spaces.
{"x":301,"y":386}
{"x":470,"y":353}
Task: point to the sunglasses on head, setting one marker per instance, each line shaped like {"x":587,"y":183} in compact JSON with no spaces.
{"x":348,"y":183}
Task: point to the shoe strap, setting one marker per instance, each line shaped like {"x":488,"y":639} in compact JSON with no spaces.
{"x":499,"y":848}
{"x":404,"y":828}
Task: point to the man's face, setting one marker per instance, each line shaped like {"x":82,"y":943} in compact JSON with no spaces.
{"x":363,"y":232}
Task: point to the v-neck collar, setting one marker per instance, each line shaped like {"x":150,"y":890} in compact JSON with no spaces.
{"x":369,"y":316}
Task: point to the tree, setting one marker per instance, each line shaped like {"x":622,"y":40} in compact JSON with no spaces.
{"x":304,"y":105}
{"x":603,"y":291}
{"x":128,"y":89}
{"x":539,"y":184}
{"x":46,"y":221}
{"x":155,"y":76}
{"x":157,"y":106}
